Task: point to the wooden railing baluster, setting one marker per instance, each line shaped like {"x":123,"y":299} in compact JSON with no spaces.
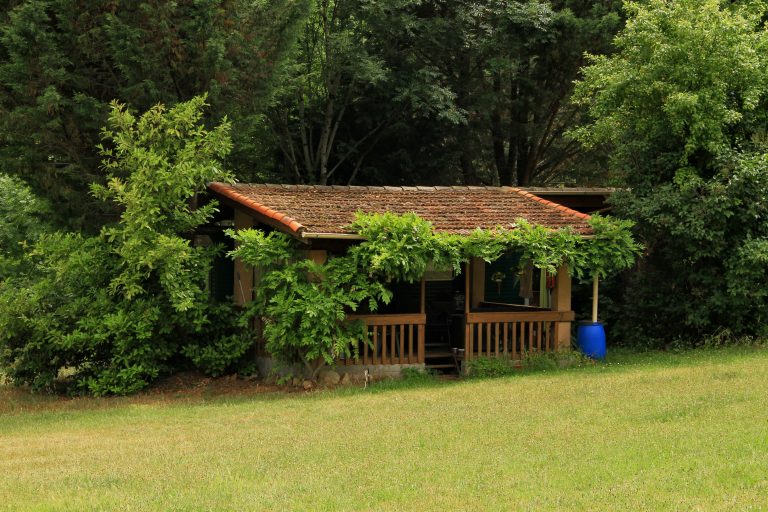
{"x":410,"y":343}
{"x":514,"y":340}
{"x":470,"y":341}
{"x":393,"y":347}
{"x":530,"y":336}
{"x":422,"y":342}
{"x":506,"y":338}
{"x":402,"y":343}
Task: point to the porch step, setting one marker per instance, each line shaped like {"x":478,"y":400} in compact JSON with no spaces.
{"x":438,"y":353}
{"x":440,"y":366}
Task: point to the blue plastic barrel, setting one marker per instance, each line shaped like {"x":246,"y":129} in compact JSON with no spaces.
{"x":591,"y":339}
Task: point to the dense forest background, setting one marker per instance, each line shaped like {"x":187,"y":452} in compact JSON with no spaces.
{"x":666,"y":100}
{"x":395,"y":92}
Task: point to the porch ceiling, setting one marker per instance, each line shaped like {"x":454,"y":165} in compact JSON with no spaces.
{"x":305,"y":210}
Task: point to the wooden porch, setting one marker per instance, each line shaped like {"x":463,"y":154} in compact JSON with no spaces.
{"x":481,"y":329}
{"x":400,"y":339}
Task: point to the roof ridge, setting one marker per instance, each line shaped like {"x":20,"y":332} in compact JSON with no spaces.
{"x":551,"y":204}
{"x":227,"y":191}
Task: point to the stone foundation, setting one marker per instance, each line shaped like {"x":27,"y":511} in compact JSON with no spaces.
{"x":356,"y":371}
{"x":378,"y":371}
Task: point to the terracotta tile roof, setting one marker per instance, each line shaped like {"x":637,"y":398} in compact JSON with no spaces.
{"x":307,"y":210}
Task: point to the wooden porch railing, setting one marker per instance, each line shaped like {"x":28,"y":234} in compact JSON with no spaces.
{"x":395,"y":339}
{"x":512,"y":334}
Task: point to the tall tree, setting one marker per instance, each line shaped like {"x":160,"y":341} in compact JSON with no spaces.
{"x":346,"y":91}
{"x":528,"y":70}
{"x":62,"y":62}
{"x":330,"y":69}
{"x":683,"y":109}
{"x":455,"y":91}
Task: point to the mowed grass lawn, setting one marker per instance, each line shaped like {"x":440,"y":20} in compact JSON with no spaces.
{"x":651,"y":431}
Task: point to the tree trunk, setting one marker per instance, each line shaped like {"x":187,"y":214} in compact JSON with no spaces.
{"x":524,"y":171}
{"x":501,"y":155}
{"x":468,"y":172}
{"x":464,"y":132}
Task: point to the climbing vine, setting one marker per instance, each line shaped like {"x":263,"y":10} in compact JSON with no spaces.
{"x":304,"y":303}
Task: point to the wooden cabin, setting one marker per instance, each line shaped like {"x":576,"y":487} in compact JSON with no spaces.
{"x":497,"y":309}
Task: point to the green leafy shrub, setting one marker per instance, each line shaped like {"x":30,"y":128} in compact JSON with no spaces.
{"x":22,"y":220}
{"x":490,"y":367}
{"x":417,"y":375}
{"x":539,"y":362}
{"x":61,"y":316}
{"x":117,"y":310}
{"x":304,"y":304}
{"x":563,"y":359}
{"x":399,"y":247}
{"x":223,"y":343}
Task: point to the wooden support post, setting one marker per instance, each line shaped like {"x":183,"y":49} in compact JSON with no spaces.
{"x":467,"y":286}
{"x":411,"y":343}
{"x":468,"y":331}
{"x":561,"y":301}
{"x":421,"y":350}
{"x":594,"y":299}
{"x":467,"y":326}
{"x":243,"y":273}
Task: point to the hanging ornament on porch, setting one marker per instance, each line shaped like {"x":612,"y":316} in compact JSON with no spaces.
{"x":498,"y":277}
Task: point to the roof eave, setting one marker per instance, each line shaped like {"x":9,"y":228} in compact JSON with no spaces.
{"x":268,"y":215}
{"x":332,"y":236}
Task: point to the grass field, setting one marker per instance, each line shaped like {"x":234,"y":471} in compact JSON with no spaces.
{"x":650,"y":431}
